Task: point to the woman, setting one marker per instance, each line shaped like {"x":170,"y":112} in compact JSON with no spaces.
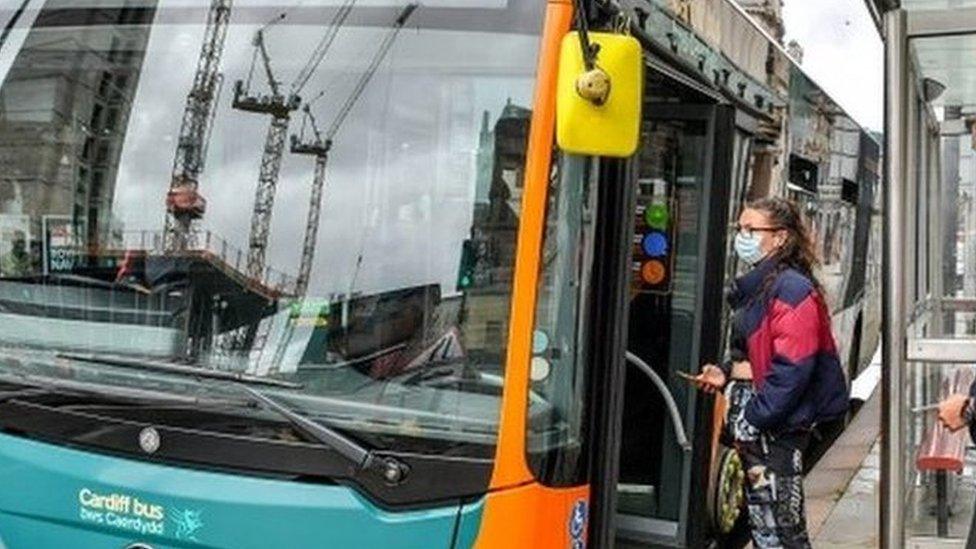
{"x":781,"y":326}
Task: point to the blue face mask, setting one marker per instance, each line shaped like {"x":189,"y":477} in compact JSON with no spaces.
{"x":748,"y":248}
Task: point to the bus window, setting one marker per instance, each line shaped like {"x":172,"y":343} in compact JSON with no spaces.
{"x":558,"y":349}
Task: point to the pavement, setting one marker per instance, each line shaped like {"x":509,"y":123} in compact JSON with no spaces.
{"x":852,"y":521}
{"x":841,"y":491}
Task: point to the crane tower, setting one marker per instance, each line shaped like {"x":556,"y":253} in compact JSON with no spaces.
{"x":279,"y":107}
{"x":184,"y":203}
{"x":319,"y":148}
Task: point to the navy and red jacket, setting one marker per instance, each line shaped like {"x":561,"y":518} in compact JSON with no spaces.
{"x":782,"y":326}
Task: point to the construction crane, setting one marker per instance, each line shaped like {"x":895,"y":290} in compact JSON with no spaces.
{"x":318,"y":54}
{"x":319,"y":146}
{"x":279,"y":107}
{"x":184,"y":203}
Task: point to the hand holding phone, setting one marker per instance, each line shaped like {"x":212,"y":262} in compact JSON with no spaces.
{"x":711,"y":379}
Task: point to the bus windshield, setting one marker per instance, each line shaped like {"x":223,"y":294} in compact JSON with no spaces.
{"x":318,"y":196}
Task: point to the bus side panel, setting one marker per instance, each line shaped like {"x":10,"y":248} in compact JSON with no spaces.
{"x":533,"y":516}
{"x":843,"y":323}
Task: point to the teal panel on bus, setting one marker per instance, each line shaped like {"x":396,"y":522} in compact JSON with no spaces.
{"x":59,"y":497}
{"x":469,"y":524}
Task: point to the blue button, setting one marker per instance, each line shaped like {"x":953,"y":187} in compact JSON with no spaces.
{"x":655,"y":244}
{"x":540,"y":342}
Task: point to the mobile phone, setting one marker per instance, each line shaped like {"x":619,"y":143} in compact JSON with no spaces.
{"x":926,"y":408}
{"x":687,"y":376}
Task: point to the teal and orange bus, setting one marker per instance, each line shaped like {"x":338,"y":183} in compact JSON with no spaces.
{"x":483,"y":343}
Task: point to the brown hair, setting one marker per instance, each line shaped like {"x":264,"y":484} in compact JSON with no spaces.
{"x":799,"y":251}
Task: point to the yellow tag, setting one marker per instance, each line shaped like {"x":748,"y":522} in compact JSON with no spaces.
{"x":608,"y":129}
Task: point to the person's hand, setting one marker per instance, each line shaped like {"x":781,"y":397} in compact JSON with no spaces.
{"x":741,"y":370}
{"x":711,"y":379}
{"x":951,"y":412}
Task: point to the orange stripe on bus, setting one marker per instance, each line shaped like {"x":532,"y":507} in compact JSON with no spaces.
{"x":532,"y":516}
{"x":510,"y":464}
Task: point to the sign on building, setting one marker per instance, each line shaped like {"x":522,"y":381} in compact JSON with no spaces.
{"x":60,"y":245}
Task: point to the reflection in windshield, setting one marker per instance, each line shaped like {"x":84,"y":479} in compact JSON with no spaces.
{"x":420,"y":187}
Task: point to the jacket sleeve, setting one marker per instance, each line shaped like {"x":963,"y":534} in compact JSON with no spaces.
{"x":736,"y":353}
{"x":795,"y":332}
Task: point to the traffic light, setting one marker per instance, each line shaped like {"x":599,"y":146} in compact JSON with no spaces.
{"x":469,"y":260}
{"x":653,"y":239}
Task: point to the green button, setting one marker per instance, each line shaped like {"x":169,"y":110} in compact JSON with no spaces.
{"x":657,"y":217}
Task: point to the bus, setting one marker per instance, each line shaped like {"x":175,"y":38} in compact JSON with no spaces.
{"x":302,"y":272}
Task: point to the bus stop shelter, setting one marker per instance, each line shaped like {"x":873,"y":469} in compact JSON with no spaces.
{"x":929,"y":303}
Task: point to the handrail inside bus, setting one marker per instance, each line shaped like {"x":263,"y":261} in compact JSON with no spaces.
{"x":679,"y":427}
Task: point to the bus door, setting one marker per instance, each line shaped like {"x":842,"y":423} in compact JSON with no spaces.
{"x":693,"y":160}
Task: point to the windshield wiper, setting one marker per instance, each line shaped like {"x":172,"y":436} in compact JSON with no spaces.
{"x":183,"y":369}
{"x":389,"y":469}
{"x":37,"y":386}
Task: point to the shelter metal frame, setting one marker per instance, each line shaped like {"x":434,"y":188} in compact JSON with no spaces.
{"x":911,"y":328}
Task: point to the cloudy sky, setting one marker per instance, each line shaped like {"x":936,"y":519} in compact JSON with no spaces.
{"x":843,"y":53}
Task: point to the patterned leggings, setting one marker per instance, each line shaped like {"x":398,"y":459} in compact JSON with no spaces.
{"x":774,"y":479}
{"x":774,"y":490}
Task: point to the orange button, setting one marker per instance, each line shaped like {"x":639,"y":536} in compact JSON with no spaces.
{"x":653,"y":272}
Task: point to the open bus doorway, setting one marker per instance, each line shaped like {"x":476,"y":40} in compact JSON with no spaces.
{"x":692,"y":175}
